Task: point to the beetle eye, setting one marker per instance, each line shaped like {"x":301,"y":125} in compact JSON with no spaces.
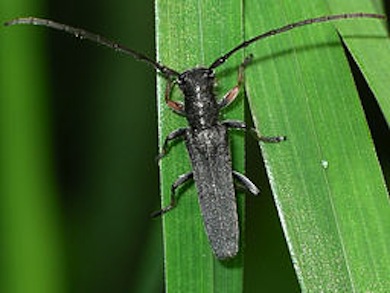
{"x":180,"y":80}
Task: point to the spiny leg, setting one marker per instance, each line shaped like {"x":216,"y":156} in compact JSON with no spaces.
{"x":173,"y":135}
{"x":241,"y":125}
{"x":249,"y":185}
{"x":232,"y":94}
{"x":179,"y":181}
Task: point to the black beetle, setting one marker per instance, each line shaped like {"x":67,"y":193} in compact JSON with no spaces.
{"x":206,"y":137}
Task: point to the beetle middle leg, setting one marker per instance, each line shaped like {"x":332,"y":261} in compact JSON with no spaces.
{"x":180,"y":181}
{"x":232,"y":94}
{"x":241,"y":125}
{"x":173,"y":135}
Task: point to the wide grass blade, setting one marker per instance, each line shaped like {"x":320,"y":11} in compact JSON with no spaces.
{"x":326,"y":180}
{"x":369,"y":50}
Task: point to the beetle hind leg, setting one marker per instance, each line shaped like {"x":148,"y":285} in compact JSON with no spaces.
{"x":179,"y":181}
{"x":245,"y":181}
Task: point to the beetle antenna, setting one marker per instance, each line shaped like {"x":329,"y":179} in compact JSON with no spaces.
{"x":291,"y":26}
{"x":83,"y":34}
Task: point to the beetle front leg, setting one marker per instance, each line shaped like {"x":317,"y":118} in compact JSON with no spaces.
{"x":173,"y":135}
{"x":241,"y":125}
{"x":232,"y":94}
{"x":177,"y":107}
{"x":180,"y":181}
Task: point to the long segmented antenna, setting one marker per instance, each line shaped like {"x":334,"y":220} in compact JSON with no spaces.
{"x":291,"y":26}
{"x":83,"y":34}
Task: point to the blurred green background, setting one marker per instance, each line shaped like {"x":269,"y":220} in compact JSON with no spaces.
{"x":78,"y":178}
{"x":78,"y":142}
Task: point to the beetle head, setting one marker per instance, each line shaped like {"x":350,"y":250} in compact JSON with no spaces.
{"x":196,"y":80}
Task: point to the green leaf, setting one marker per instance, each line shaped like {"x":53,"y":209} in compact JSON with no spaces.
{"x":372,"y":57}
{"x":192,"y":33}
{"x":327,"y":183}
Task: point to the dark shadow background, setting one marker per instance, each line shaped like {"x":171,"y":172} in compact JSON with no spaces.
{"x":105,"y":138}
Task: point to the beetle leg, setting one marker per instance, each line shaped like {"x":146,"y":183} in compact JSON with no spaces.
{"x":232,"y":94}
{"x":179,"y":181}
{"x":249,"y":185}
{"x":241,"y":125}
{"x":173,"y":135}
{"x":177,"y":107}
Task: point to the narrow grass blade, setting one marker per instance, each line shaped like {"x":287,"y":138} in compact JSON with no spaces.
{"x":192,"y":33}
{"x":326,"y":180}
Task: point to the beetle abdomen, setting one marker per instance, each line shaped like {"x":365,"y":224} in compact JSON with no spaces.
{"x":212,"y":170}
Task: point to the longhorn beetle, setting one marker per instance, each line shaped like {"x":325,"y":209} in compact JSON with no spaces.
{"x":206,"y":137}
